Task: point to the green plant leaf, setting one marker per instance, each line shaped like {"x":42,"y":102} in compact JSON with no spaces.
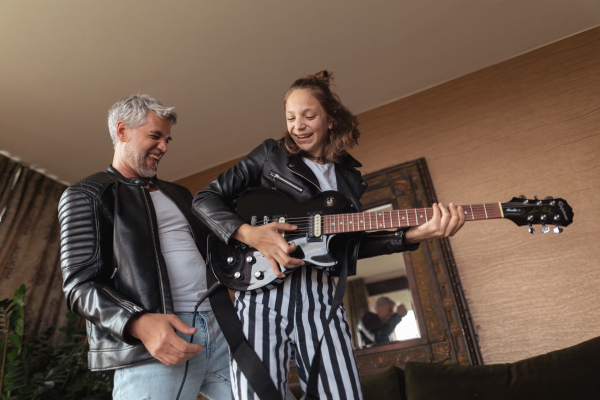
{"x":15,"y":339}
{"x":12,"y":354}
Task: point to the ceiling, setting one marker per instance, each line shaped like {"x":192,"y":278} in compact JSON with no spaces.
{"x":225,"y":65}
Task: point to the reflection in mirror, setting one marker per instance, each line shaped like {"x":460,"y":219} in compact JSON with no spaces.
{"x":379,"y":302}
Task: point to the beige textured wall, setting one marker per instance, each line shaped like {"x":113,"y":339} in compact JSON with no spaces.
{"x":530,"y":125}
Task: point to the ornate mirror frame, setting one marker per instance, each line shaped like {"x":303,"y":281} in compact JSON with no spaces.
{"x":447,"y":333}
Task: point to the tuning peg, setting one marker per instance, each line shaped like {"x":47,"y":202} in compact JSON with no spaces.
{"x":522,"y":197}
{"x":531,"y":230}
{"x":535,"y":197}
{"x":557,"y":229}
{"x":548,"y":198}
{"x":544,"y":228}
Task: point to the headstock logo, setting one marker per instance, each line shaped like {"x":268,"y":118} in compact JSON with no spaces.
{"x":542,"y":210}
{"x":514,"y":210}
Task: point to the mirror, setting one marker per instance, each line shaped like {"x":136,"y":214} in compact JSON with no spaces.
{"x":379,"y":302}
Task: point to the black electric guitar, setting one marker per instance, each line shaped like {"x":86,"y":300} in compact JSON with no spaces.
{"x":326,"y":216}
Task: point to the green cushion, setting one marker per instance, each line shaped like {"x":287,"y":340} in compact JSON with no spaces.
{"x":385,"y":385}
{"x":571,"y":373}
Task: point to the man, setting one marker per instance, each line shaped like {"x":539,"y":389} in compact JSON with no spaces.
{"x":377,"y":327}
{"x":132,"y":257}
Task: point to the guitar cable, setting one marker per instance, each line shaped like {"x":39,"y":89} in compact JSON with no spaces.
{"x":208,"y":293}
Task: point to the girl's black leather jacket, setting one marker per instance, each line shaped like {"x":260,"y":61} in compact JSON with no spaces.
{"x":270,"y":166}
{"x":112,"y":265}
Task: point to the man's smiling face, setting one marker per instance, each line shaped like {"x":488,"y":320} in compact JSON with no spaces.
{"x":146,"y":145}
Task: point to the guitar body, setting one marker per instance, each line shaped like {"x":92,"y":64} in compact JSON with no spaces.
{"x":242,"y":268}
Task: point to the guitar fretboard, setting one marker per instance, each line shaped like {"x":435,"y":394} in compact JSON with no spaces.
{"x":367,"y":221}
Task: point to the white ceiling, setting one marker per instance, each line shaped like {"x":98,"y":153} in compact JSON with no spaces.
{"x":225,"y":65}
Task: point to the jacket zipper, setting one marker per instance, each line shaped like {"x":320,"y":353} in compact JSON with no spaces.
{"x":127,"y":304}
{"x":305,"y":178}
{"x":162,"y":289}
{"x":276,"y":176}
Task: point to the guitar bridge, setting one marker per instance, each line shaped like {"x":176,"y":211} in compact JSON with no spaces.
{"x":314,"y":232}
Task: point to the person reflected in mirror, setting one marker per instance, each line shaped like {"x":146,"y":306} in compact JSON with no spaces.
{"x":377,"y":327}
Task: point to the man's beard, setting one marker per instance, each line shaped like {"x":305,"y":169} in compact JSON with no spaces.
{"x":137,"y":161}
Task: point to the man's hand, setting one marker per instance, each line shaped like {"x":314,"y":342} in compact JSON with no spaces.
{"x":157,"y":333}
{"x":401,"y":310}
{"x":444,"y":223}
{"x":269,"y":242}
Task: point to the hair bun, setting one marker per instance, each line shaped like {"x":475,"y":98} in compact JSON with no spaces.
{"x":324,"y":76}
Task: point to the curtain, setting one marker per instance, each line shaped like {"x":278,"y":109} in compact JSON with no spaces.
{"x":30,"y":245}
{"x":357,"y":304}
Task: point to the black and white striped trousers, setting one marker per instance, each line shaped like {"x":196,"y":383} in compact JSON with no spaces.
{"x":289,"y":318}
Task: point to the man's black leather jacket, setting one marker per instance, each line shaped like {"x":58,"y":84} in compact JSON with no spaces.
{"x":269,"y":165}
{"x":112,"y":265}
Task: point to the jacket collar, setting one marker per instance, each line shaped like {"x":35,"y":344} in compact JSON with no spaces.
{"x":135,"y":181}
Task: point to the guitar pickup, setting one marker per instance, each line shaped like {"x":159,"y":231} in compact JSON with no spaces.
{"x":282,"y":219}
{"x":314,"y":232}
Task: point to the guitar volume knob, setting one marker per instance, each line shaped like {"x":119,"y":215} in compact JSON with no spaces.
{"x":230,"y":260}
{"x":250,"y":260}
{"x":259,"y":275}
{"x":238,"y":276}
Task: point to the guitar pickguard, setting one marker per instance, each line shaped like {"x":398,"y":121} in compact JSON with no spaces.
{"x":315,"y":253}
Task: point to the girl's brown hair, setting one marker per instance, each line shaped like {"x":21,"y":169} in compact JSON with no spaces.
{"x":344,"y":131}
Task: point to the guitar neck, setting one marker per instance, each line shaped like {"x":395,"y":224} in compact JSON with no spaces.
{"x":392,"y":219}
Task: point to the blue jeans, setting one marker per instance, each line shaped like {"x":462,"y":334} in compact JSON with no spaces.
{"x":208,"y":372}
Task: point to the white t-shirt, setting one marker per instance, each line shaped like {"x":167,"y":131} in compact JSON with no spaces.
{"x":185,"y":265}
{"x":324,"y":173}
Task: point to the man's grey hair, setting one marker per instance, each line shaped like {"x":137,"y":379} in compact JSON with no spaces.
{"x":133,"y":111}
{"x":384,"y":301}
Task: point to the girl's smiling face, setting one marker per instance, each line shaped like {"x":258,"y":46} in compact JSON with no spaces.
{"x":307,"y":122}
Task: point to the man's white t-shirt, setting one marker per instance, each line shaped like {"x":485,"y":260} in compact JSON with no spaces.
{"x":185,"y":265}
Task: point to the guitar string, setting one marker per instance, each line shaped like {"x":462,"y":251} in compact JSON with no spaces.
{"x":479,"y":213}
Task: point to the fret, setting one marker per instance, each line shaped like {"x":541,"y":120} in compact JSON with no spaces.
{"x":416,"y":217}
{"x":472,"y":215}
{"x":485,"y":209}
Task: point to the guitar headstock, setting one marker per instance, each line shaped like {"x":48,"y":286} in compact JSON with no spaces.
{"x":550,"y":211}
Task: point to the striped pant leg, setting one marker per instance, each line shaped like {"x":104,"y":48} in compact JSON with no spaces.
{"x":338,"y":378}
{"x":264,"y":317}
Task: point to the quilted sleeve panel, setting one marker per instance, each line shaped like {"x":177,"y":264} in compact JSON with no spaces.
{"x":86,"y":270}
{"x":78,"y":230}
